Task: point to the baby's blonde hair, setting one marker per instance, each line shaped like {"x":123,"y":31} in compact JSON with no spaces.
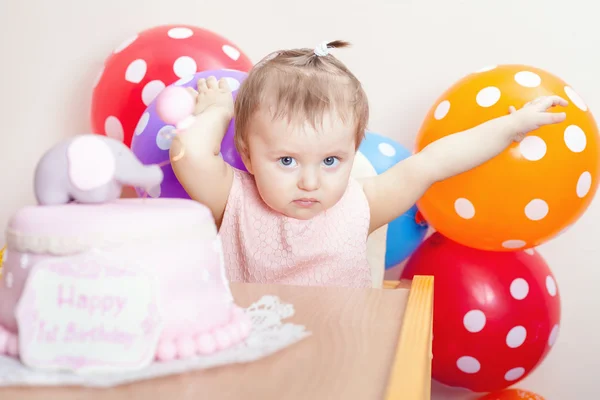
{"x":301,"y":86}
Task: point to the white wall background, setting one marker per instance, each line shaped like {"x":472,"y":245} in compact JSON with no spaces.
{"x":405,"y":51}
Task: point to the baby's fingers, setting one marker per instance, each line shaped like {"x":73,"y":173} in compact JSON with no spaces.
{"x":211,"y":82}
{"x":552,"y":101}
{"x":202,"y":85}
{"x":224,"y":84}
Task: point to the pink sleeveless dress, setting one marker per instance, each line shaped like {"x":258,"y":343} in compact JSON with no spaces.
{"x":261,"y":245}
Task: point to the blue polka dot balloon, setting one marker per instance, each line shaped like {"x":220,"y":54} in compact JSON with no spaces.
{"x":404,"y":234}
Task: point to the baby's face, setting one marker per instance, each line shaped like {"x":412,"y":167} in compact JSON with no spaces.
{"x":300,"y":171}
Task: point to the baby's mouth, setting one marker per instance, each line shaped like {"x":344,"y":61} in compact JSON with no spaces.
{"x":306,"y":202}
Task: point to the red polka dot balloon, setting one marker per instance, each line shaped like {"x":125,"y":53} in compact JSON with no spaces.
{"x":496,"y":314}
{"x":142,"y":66}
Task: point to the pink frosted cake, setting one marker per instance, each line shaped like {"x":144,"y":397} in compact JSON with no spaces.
{"x":114,"y":286}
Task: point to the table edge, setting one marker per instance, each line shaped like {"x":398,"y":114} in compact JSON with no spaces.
{"x":410,"y":375}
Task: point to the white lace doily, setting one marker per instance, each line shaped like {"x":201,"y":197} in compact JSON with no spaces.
{"x":269,"y":334}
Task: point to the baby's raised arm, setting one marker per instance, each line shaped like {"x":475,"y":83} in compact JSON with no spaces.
{"x":194,"y":152}
{"x":392,"y":193}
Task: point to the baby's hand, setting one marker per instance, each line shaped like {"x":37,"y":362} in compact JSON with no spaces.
{"x":534,"y":115}
{"x":213,"y":93}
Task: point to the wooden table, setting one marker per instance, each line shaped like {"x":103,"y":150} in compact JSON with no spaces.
{"x":365,"y":344}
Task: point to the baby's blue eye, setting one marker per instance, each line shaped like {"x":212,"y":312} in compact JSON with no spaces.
{"x":287,"y":161}
{"x":330,"y":161}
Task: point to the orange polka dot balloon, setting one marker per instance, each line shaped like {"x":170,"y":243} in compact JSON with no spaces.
{"x":531,"y":191}
{"x":512,"y":394}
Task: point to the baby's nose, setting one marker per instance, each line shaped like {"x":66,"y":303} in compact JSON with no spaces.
{"x":310,"y":180}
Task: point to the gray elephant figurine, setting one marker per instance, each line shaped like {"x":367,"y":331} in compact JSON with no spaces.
{"x":91,"y":168}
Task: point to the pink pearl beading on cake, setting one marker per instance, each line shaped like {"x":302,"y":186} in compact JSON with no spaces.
{"x":206,"y":343}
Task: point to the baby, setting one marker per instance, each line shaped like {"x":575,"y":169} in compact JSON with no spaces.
{"x":297,"y":216}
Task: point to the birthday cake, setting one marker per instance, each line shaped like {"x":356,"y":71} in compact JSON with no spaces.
{"x":114,"y":285}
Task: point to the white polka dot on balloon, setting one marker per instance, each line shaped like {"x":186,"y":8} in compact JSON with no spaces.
{"x":519,"y":289}
{"x":164,"y":137}
{"x":464,"y":208}
{"x":533,"y":148}
{"x":528,"y":79}
{"x":231,"y":52}
{"x":474,"y":321}
{"x":9,"y":280}
{"x":151,"y":90}
{"x":488,"y":96}
{"x":184,"y":66}
{"x":468,"y":365}
{"x":180,"y":33}
{"x":536,"y":209}
{"x":136,"y":71}
{"x":113,"y":128}
{"x":575,"y":138}
{"x":233,"y":83}
{"x":142,"y":124}
{"x":584,"y":184}
{"x":551,"y":286}
{"x":553,"y":335}
{"x":442,"y":110}
{"x":513,"y":244}
{"x":516,"y":337}
{"x":575,"y":98}
{"x":514,"y":374}
{"x":530,"y":252}
{"x":386,"y":149}
{"x":125,"y":44}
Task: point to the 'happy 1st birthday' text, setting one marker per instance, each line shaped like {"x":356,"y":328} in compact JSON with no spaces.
{"x":84,"y":307}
